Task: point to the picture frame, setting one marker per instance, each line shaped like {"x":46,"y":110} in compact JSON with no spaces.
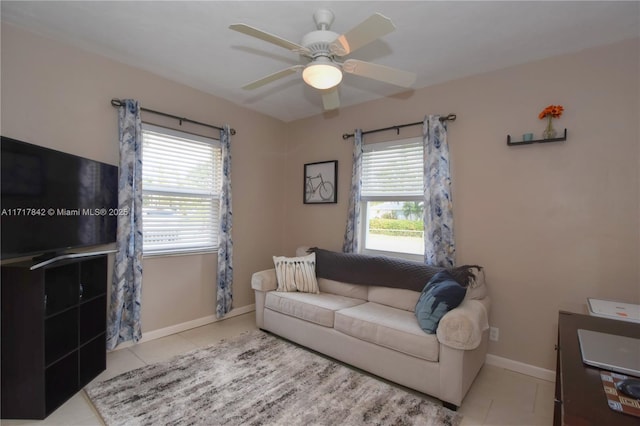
{"x":320,"y":183}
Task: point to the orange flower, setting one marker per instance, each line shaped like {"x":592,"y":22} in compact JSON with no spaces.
{"x":554,"y":111}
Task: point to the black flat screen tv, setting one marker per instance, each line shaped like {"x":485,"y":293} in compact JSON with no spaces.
{"x":52,"y":201}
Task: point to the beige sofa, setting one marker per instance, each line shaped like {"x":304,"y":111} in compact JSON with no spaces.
{"x":374,"y":328}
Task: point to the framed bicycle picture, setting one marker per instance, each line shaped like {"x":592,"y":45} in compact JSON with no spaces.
{"x":320,"y":182}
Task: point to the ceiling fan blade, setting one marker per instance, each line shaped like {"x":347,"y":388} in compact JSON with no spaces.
{"x":331,"y":99}
{"x":271,"y":38}
{"x":374,"y":27}
{"x":379,"y":72}
{"x":272,"y":77}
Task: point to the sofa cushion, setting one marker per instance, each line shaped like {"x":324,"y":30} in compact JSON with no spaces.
{"x":439,"y":296}
{"x":392,"y":328}
{"x":316,"y":308}
{"x":394,"y":297}
{"x":343,"y":289}
{"x":296,"y":273}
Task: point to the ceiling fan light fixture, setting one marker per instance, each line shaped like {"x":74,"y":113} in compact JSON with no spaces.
{"x":322,"y":74}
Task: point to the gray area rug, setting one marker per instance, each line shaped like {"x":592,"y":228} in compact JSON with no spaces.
{"x":258,"y":379}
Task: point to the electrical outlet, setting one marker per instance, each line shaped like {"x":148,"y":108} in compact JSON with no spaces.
{"x":494,"y":333}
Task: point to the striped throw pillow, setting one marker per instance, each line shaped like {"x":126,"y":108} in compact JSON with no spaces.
{"x":296,"y":273}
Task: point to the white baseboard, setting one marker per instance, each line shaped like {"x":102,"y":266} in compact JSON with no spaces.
{"x":179,"y":328}
{"x":521,"y":367}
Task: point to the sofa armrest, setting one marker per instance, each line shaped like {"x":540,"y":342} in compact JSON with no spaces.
{"x":462,"y":327}
{"x":264,"y":280}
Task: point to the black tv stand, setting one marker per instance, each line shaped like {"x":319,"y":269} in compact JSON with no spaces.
{"x":53,"y":332}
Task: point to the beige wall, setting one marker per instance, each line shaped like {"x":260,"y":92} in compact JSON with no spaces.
{"x":553,"y":223}
{"x":57,"y":96}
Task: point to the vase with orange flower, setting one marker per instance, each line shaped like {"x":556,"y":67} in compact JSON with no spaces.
{"x":550,"y":112}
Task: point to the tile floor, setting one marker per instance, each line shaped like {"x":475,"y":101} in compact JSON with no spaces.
{"x":497,"y":397}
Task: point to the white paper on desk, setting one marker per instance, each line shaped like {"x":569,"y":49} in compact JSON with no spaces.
{"x":614,"y":310}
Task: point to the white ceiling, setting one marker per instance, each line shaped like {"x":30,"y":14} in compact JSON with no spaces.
{"x":189,"y":42}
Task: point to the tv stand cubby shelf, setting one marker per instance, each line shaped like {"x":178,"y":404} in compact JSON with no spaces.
{"x":53,"y":333}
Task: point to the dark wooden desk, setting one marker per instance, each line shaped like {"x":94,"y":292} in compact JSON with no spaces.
{"x":580,"y":398}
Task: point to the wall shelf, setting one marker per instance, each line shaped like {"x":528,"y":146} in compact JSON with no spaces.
{"x":560,"y":139}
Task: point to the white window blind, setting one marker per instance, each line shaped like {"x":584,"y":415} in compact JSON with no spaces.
{"x":181,"y":184}
{"x":393,"y":170}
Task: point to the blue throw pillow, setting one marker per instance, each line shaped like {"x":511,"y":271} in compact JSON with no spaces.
{"x":441,"y":294}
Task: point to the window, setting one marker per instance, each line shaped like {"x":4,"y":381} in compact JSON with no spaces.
{"x":181,"y":184}
{"x":393,"y":197}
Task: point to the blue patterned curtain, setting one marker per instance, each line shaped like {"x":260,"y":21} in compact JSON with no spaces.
{"x":352,"y":232}
{"x":439,"y":246}
{"x":225,"y":242}
{"x":126,"y":286}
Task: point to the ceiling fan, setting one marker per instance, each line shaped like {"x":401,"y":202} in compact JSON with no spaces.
{"x":323,"y":47}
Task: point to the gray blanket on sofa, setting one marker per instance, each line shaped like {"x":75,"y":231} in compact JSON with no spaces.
{"x":382,"y":270}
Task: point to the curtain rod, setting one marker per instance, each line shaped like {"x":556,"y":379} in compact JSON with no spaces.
{"x":450,"y":117}
{"x":119,"y":103}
